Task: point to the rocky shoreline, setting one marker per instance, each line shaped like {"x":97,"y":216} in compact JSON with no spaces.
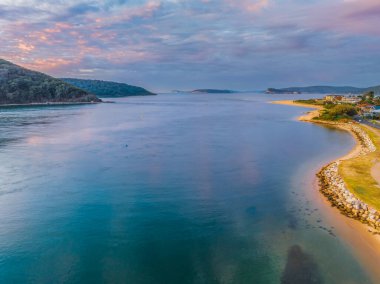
{"x":333,"y":187}
{"x":331,"y":184}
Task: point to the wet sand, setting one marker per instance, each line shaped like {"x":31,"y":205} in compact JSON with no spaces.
{"x":306,"y":116}
{"x":364,"y":244}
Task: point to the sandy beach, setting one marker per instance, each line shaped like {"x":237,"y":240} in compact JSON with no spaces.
{"x":364,"y":244}
{"x":306,"y":116}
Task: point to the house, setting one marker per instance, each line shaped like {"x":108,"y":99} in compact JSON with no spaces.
{"x":350,"y":99}
{"x":332,"y":98}
{"x":366,"y":108}
{"x":370,"y":111}
{"x":376,"y":112}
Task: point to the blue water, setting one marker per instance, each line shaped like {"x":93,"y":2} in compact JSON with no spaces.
{"x":167,"y":189}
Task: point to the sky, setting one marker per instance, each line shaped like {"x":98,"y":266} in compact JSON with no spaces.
{"x":187,"y":44}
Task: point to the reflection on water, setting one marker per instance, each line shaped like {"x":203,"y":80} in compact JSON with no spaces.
{"x":204,"y":193}
{"x":16,"y":121}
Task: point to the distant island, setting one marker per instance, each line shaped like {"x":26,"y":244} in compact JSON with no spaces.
{"x":206,"y":91}
{"x":323,"y":90}
{"x":108,"y":89}
{"x":212,"y":91}
{"x":19,"y":85}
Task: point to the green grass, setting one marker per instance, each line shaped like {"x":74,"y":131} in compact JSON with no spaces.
{"x":338,"y":112}
{"x":356,"y":173}
{"x":331,"y":111}
{"x":310,"y":102}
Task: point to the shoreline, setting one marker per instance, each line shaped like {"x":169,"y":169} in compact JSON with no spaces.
{"x":359,"y":235}
{"x":333,"y":187}
{"x":48,"y":104}
{"x":331,"y":183}
{"x":308,"y":116}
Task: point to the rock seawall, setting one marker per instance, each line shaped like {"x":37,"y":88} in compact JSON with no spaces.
{"x":334,"y":188}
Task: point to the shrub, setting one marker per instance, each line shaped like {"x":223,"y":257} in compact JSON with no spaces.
{"x":338,"y":112}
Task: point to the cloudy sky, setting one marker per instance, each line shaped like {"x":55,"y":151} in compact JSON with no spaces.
{"x":185,"y":44}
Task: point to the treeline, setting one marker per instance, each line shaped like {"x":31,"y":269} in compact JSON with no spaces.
{"x":338,"y":112}
{"x":22,"y":86}
{"x":108,"y":89}
{"x":324,"y":90}
{"x":332,"y":111}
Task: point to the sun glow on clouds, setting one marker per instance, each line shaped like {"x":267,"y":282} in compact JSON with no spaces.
{"x":164,"y":41}
{"x":249,"y":5}
{"x":25,"y":47}
{"x":49,"y":64}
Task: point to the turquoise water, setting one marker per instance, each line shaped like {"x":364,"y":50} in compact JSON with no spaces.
{"x":167,"y":189}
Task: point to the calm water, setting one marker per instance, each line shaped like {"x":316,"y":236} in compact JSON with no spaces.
{"x":167,"y":189}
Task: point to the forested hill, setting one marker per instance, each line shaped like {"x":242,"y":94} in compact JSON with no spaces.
{"x":19,"y":85}
{"x":108,"y":89}
{"x":324,"y":90}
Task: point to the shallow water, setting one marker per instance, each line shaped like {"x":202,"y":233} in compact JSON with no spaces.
{"x":167,"y":189}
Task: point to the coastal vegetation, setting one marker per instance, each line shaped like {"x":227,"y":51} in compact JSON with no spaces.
{"x":310,"y":102}
{"x":108,"y":89}
{"x":337,"y":112}
{"x":19,"y":85}
{"x":350,"y":183}
{"x":356,"y":172}
{"x":324,"y":90}
{"x":370,"y":98}
{"x":331,"y":111}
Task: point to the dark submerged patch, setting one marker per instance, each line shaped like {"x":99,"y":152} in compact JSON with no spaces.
{"x":300,"y":268}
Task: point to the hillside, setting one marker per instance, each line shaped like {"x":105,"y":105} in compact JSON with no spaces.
{"x":323,"y":90}
{"x":375,"y":89}
{"x":19,"y":85}
{"x":107,"y":89}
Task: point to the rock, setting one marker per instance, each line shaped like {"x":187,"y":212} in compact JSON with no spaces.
{"x":333,"y":186}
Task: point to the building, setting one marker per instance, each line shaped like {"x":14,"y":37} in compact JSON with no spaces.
{"x":350,"y":100}
{"x":366,"y":108}
{"x":370,"y":111}
{"x":332,"y":98}
{"x":376,"y":112}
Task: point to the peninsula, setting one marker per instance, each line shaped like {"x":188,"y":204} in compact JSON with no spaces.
{"x":19,"y":85}
{"x":108,"y":89}
{"x":323,"y":90}
{"x":352,"y":182}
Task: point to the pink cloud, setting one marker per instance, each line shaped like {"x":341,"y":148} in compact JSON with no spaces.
{"x":347,"y":17}
{"x":128,"y":13}
{"x":251,"y":6}
{"x":48,"y":64}
{"x":25,"y":47}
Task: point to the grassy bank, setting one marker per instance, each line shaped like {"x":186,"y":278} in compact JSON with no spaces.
{"x":329,"y":111}
{"x":356,"y":173}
